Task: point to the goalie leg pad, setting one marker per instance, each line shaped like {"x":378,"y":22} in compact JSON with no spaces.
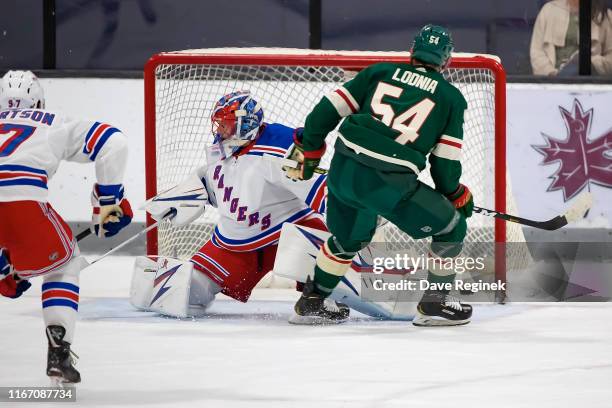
{"x":295,"y":259}
{"x":203,"y":291}
{"x":141,"y":288}
{"x":349,"y":290}
{"x":162,"y":285}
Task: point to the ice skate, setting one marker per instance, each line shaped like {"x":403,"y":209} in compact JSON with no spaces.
{"x":314,"y":309}
{"x":60,"y":359}
{"x":440,"y":309}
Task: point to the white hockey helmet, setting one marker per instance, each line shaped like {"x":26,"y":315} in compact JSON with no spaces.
{"x":21,"y":90}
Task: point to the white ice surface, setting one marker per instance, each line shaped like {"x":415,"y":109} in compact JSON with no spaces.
{"x":246,"y":355}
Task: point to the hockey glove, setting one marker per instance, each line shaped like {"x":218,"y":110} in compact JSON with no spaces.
{"x":111,"y":212}
{"x":10,"y":285}
{"x":309,"y":160}
{"x":462,"y":200}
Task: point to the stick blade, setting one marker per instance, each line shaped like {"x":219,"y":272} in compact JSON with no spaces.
{"x":580,"y":208}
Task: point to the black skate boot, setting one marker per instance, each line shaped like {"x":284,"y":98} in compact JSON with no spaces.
{"x":313,"y":309}
{"x":60,"y":358}
{"x":438,"y":308}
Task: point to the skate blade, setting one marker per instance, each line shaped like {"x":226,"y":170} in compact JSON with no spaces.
{"x":60,"y":382}
{"x":313,"y":320}
{"x":421,"y":320}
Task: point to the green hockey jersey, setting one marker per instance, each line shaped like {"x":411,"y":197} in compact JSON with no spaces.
{"x":395,"y":115}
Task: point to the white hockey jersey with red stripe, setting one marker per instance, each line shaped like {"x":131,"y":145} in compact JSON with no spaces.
{"x":253,"y":196}
{"x":33,"y":142}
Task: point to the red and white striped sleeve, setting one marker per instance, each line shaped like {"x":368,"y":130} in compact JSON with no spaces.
{"x":343,"y":101}
{"x":448,"y":147}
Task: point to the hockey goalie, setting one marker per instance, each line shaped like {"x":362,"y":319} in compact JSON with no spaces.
{"x":254,"y":199}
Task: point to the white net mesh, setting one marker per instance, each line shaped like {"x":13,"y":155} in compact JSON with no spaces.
{"x":185,"y":94}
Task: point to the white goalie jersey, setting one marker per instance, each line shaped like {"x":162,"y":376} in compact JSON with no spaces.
{"x":254,"y":197}
{"x":33,"y":142}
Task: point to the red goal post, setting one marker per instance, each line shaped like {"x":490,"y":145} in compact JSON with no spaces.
{"x":172,"y":78}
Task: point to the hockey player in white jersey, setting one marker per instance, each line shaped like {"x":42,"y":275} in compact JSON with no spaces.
{"x":34,"y":239}
{"x":254,"y":199}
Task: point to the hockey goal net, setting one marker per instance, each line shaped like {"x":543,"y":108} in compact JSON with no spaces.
{"x":182,"y":87}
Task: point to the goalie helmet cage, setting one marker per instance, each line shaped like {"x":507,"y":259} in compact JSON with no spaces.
{"x":181,"y":88}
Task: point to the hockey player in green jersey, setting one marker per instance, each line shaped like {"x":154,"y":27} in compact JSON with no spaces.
{"x":395,"y":115}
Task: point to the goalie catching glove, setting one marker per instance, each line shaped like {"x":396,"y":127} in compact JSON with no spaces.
{"x":308,"y":160}
{"x":462,"y":200}
{"x":111,"y":212}
{"x":10,"y":285}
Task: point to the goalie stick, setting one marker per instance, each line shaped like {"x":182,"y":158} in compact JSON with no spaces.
{"x":576,"y":212}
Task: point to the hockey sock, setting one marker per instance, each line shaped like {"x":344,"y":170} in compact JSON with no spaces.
{"x":435,"y":278}
{"x":441,"y":270}
{"x":60,"y":302}
{"x":442,"y":256}
{"x":60,"y":297}
{"x":332,"y":264}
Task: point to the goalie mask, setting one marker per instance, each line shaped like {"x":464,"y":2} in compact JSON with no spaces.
{"x":21,"y":90}
{"x":236,"y":119}
{"x":433,"y":45}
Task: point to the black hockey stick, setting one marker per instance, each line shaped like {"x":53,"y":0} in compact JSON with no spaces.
{"x":550,"y":225}
{"x":576,"y":212}
{"x":83,"y":234}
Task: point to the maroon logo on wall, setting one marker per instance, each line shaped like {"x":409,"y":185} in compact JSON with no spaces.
{"x":582,"y":160}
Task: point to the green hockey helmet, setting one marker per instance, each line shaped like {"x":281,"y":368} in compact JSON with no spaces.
{"x":433,"y":45}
